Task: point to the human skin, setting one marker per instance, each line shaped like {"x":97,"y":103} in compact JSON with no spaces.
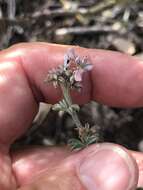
{"x":116,"y":80}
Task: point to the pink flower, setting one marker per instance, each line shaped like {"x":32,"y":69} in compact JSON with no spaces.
{"x":78,"y":75}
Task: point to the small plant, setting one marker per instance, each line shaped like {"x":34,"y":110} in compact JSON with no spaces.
{"x":68,"y":76}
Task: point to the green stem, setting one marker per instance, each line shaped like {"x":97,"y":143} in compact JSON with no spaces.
{"x":67,"y":97}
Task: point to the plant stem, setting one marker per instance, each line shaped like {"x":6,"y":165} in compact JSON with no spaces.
{"x":66,"y":93}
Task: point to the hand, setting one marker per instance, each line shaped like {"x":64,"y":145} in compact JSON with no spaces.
{"x":116,"y":80}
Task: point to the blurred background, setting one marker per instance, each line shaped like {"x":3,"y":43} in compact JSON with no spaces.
{"x":108,"y":24}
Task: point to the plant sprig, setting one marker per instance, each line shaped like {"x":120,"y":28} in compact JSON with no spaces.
{"x":69,"y":77}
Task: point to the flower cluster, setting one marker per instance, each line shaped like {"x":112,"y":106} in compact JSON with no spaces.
{"x":71,"y":72}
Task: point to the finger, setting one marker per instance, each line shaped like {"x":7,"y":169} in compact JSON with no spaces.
{"x":139,"y":159}
{"x":103,"y":166}
{"x":7,"y":179}
{"x":116,"y":80}
{"x":28,"y":164}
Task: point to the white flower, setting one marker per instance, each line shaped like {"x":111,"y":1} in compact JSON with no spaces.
{"x":69,"y":56}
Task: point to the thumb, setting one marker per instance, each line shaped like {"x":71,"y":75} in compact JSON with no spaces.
{"x":104,"y":167}
{"x":108,"y":167}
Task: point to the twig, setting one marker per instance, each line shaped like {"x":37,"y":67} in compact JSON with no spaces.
{"x":83,"y":10}
{"x":11,"y":8}
{"x":84,"y":30}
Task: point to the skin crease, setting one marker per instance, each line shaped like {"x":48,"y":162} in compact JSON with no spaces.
{"x":115,"y":80}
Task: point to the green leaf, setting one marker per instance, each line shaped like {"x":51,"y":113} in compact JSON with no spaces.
{"x":91,"y":139}
{"x":63,"y":104}
{"x":75,"y":107}
{"x":76,"y":144}
{"x":56,"y":107}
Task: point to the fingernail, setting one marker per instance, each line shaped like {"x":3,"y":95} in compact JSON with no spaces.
{"x":108,"y":167}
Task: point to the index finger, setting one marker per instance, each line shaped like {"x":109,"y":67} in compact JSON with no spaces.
{"x":116,"y":78}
